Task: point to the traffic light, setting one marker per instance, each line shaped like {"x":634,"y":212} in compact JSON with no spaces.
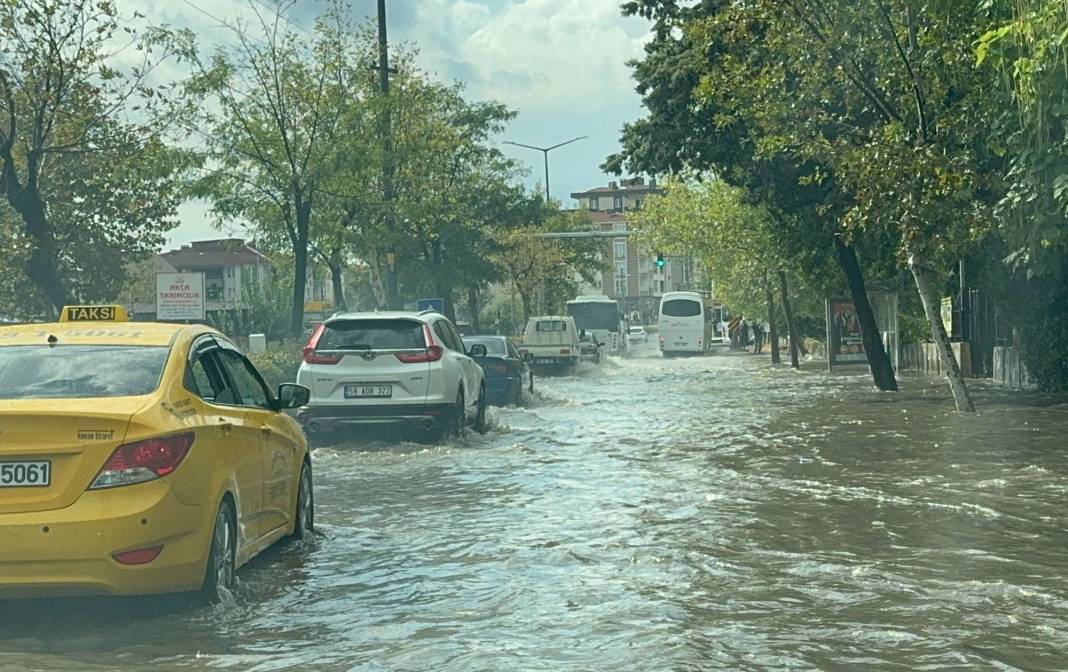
{"x":659,"y":261}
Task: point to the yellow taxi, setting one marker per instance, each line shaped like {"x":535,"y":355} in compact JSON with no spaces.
{"x":140,"y":458}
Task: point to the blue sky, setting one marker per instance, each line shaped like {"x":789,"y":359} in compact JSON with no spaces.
{"x":559,"y":63}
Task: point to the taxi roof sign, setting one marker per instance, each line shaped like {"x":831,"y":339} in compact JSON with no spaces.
{"x":93,"y":314}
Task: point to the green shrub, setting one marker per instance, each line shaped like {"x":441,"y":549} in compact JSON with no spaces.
{"x":279,"y":364}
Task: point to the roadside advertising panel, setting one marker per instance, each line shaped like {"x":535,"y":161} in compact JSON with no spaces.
{"x":845,"y":344}
{"x":179,"y":296}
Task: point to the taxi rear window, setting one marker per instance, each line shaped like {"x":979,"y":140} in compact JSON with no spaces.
{"x":79,"y":371}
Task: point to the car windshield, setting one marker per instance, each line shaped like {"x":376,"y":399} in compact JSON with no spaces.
{"x":681,"y":308}
{"x":79,"y":371}
{"x":494,"y":346}
{"x":372,"y":334}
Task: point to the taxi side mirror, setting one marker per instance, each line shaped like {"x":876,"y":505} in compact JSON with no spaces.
{"x":291,"y":395}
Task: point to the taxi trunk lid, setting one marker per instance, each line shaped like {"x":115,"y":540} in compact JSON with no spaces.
{"x":74,"y":437}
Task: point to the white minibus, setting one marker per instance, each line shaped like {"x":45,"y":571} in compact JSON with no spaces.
{"x":685,"y":327}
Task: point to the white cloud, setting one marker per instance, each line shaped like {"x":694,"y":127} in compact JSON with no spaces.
{"x":533,"y":54}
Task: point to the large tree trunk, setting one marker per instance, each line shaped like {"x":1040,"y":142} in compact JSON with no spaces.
{"x":474,"y":305}
{"x":791,"y":329}
{"x":338,"y":281}
{"x":922,"y":275}
{"x":300,"y":269}
{"x":42,"y":266}
{"x":773,"y":328}
{"x":527,"y":299}
{"x":882,"y":369}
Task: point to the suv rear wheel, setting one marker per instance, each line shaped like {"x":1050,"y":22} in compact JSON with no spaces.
{"x":459,"y":416}
{"x":480,"y":424}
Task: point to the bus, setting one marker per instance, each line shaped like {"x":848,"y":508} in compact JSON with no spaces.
{"x":685,"y":326}
{"x":598,"y":316}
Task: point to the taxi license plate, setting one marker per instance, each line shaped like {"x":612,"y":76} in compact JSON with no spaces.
{"x":25,"y":474}
{"x":371,"y":391}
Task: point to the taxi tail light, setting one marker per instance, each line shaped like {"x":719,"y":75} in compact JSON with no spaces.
{"x":143,"y":461}
{"x":141,"y":556}
{"x":312,"y":357}
{"x":432,"y":353}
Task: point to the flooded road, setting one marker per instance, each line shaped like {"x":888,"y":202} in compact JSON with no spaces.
{"x":648,"y":515}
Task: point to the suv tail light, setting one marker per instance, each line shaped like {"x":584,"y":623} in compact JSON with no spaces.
{"x":312,"y":357}
{"x":143,"y":461}
{"x":433,"y":351}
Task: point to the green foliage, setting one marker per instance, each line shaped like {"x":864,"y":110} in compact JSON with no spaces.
{"x":280,"y":363}
{"x":89,"y":184}
{"x":715,"y":223}
{"x":544,"y":272}
{"x":264,"y":308}
{"x":1029,"y":54}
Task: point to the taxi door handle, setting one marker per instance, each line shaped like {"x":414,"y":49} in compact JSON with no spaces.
{"x":225,"y":426}
{"x":266,"y":431}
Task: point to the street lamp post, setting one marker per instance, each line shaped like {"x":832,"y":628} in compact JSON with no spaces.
{"x":545,"y":152}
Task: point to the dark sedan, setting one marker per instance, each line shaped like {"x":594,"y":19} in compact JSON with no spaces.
{"x":508,"y":377}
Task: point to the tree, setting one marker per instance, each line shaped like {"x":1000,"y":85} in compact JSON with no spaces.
{"x":271,"y":147}
{"x":733,"y":238}
{"x":545,"y":271}
{"x":688,"y":126}
{"x":82,"y":161}
{"x":452,"y":186}
{"x":1026,"y":52}
{"x":876,"y":101}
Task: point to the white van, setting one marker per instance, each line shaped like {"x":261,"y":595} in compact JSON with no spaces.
{"x":551,"y":341}
{"x":685,"y":327}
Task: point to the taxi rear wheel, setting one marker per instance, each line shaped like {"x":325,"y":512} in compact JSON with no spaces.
{"x":305,"y":513}
{"x":221,"y":574}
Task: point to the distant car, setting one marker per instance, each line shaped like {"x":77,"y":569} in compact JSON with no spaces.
{"x":141,"y":458}
{"x":508,"y":376}
{"x":637,"y":335}
{"x":395,"y":368}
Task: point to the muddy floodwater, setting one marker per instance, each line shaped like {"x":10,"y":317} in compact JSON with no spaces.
{"x":687,"y":514}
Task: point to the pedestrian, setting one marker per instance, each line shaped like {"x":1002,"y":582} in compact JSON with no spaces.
{"x":758,"y":337}
{"x":743,"y":328}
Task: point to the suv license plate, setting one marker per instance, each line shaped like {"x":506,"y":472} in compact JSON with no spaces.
{"x":25,"y":474}
{"x":368,"y":391}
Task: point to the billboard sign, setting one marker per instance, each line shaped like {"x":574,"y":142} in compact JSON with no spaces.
{"x":179,"y":296}
{"x":845,"y":344}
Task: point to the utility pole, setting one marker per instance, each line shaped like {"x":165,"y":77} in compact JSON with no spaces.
{"x":392,"y":291}
{"x":545,"y":152}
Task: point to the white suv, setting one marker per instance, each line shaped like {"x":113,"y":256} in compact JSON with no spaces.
{"x":383,"y":368}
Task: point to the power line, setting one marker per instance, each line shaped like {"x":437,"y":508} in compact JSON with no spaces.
{"x":264,"y":5}
{"x":277,"y":9}
{"x":207,"y":14}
